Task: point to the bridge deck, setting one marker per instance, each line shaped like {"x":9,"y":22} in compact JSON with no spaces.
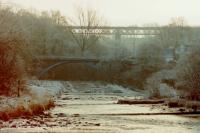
{"x":130,"y":30}
{"x":82,"y":59}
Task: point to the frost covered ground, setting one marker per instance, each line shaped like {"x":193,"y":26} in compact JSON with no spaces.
{"x":33,"y":102}
{"x":91,"y":107}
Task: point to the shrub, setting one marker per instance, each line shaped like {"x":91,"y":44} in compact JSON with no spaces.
{"x":153,"y":83}
{"x":13,"y":52}
{"x":188,"y":71}
{"x":11,"y":71}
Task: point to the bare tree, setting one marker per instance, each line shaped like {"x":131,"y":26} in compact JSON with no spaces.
{"x":58,"y":18}
{"x":87,"y":20}
{"x":188,"y":72}
{"x":150,"y":54}
{"x":12,"y":52}
{"x":174,"y":34}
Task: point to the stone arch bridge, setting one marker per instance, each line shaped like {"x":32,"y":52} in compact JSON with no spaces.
{"x":49,"y":64}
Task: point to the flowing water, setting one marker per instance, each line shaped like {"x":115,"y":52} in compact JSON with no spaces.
{"x":91,"y":108}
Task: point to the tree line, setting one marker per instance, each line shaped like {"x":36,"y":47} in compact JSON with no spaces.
{"x":24,"y":35}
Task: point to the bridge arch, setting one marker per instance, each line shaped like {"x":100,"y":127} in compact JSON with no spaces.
{"x":93,"y":64}
{"x":53,"y":66}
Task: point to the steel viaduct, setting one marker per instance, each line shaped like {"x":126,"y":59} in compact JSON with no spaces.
{"x":105,"y":31}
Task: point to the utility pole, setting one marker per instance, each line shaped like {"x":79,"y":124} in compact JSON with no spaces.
{"x":118,"y":42}
{"x":134,"y":47}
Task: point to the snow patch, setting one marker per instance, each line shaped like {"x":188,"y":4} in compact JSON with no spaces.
{"x":50,"y":88}
{"x":166,"y":91}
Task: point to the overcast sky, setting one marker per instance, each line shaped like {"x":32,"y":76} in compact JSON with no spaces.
{"x":124,"y":12}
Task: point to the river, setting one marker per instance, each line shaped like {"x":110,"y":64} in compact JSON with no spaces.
{"x":90,"y":107}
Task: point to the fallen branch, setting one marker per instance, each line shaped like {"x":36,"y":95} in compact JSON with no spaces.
{"x":140,"y":101}
{"x":164,"y":113}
